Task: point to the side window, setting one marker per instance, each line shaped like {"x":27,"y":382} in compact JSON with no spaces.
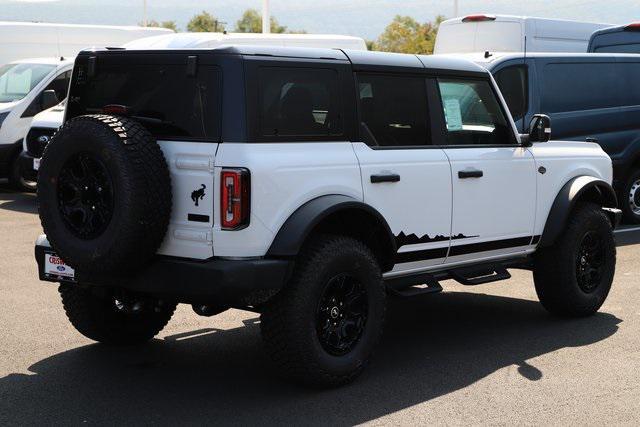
{"x":60,"y":85}
{"x":393,"y":110}
{"x":472,"y":113}
{"x":513,"y":83}
{"x":299,"y":102}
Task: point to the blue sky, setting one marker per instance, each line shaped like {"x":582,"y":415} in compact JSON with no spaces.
{"x":365,"y":18}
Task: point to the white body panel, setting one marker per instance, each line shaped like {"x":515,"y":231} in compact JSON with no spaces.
{"x":514,"y":34}
{"x":211,"y":40}
{"x":19,"y":40}
{"x":191,"y":166}
{"x":420,"y":203}
{"x":15,"y":126}
{"x":283,"y":178}
{"x":564,"y":161}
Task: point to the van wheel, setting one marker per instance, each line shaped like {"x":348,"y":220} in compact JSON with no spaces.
{"x":117,"y":319}
{"x":16,"y":179}
{"x":321,"y":329}
{"x":630,"y":199}
{"x":574,"y":276}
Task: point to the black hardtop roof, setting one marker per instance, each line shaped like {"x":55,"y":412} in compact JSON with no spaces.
{"x":360,"y":59}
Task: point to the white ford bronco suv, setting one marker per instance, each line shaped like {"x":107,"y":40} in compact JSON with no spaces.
{"x":307,"y":185}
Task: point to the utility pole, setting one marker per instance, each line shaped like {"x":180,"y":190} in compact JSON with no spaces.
{"x":455,"y":9}
{"x":144,"y":13}
{"x":266,"y":17}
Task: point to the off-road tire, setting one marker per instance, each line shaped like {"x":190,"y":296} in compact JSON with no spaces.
{"x":16,"y":180}
{"x":141,"y":193}
{"x":556,"y":268}
{"x":288,"y":322}
{"x":629,"y":216}
{"x":97,"y":317}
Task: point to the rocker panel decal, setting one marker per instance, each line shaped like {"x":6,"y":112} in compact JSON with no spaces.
{"x":411,"y":239}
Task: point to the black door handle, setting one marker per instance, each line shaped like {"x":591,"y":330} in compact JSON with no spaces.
{"x":470,"y":174}
{"x":384,"y":177}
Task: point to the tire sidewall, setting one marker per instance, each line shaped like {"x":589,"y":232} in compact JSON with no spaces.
{"x":69,"y":141}
{"x":353,"y":261}
{"x":599,"y":224}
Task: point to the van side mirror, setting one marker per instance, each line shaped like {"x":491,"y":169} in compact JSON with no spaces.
{"x":49,"y":99}
{"x":539,"y":128}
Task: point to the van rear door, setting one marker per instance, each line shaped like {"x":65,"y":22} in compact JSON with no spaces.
{"x":177,"y":98}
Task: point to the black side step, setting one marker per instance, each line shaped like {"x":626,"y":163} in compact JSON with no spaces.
{"x":413,"y":285}
{"x":478,"y":276}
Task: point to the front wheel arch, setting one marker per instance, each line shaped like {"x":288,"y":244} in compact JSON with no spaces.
{"x":579,"y":189}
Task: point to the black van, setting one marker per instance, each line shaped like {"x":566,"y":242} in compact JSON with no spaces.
{"x":621,"y":39}
{"x":588,"y":96}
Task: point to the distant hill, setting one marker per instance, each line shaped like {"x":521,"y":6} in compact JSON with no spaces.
{"x":364,"y":18}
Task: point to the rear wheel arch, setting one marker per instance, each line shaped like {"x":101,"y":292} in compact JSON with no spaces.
{"x":336,"y":214}
{"x":579,"y":189}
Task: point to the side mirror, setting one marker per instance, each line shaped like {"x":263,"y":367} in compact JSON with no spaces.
{"x":48,"y":99}
{"x":539,"y":128}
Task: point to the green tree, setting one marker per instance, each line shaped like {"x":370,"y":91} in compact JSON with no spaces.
{"x":406,"y":35}
{"x":251,"y":22}
{"x":164,"y":24}
{"x":205,"y":22}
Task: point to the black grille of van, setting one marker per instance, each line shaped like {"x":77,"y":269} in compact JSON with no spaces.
{"x":37,"y":140}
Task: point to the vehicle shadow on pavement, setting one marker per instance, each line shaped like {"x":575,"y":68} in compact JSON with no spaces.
{"x":18,"y":202}
{"x":433,"y":345}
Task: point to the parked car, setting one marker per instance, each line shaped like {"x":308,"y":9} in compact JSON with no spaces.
{"x":27,"y":87}
{"x":619,"y":39}
{"x":20,"y":40}
{"x":505,"y":33}
{"x":589,"y":97}
{"x":307,"y":186}
{"x":42,"y":128}
{"x":211,"y":40}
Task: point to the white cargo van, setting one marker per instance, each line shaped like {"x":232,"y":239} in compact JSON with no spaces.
{"x":20,"y":40}
{"x":504,"y":33}
{"x":211,"y":40}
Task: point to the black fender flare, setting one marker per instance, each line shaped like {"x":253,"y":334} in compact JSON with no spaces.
{"x":570,"y":194}
{"x":300,"y":224}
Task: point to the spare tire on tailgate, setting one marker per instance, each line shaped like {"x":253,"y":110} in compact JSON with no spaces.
{"x":104,"y":194}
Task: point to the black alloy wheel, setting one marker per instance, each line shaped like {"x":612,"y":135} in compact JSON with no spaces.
{"x":342,"y":314}
{"x":590,"y":262}
{"x":85,"y":196}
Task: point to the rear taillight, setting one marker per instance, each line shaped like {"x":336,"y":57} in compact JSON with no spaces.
{"x":478,"y":18}
{"x":234,"y":198}
{"x":633,"y":27}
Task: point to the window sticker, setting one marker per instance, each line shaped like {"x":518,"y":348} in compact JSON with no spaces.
{"x":452,"y":114}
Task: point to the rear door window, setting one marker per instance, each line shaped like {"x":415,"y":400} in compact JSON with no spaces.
{"x":299,"y":102}
{"x":393,"y":110}
{"x":170,"y":103}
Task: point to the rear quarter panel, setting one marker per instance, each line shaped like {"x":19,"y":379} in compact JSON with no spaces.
{"x":284,"y":176}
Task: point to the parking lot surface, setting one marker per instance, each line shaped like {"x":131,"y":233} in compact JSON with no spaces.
{"x":482,"y":355}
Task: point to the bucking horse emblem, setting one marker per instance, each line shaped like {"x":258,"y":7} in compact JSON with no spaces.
{"x":199,"y":194}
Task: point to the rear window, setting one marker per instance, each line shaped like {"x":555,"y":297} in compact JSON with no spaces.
{"x":512,"y":82}
{"x":170,"y":103}
{"x":619,"y":48}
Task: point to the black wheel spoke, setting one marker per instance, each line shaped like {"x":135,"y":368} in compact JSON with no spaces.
{"x":341,"y":315}
{"x":85,"y":195}
{"x":590,"y":262}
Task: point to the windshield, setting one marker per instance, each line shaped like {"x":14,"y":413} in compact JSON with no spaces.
{"x":17,"y":80}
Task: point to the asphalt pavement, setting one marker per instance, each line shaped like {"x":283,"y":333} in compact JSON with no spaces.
{"x":483,"y":355}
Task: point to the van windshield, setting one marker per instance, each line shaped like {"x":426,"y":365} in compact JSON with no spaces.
{"x":470,"y":37}
{"x":17,"y":80}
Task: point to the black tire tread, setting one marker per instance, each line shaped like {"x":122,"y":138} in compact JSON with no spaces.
{"x":83,"y":309}
{"x":281,"y":332}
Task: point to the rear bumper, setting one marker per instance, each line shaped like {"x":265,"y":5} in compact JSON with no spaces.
{"x":229,"y":282}
{"x":26,"y":166}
